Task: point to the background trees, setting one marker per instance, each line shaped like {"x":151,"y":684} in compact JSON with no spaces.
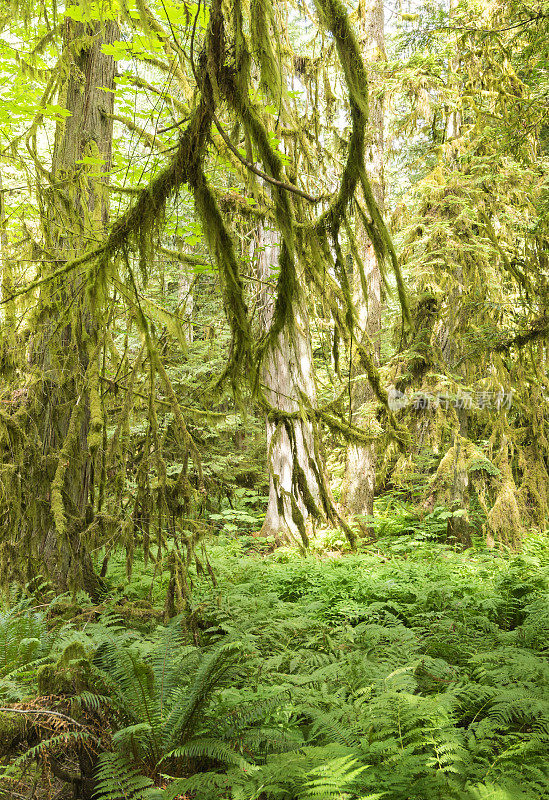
{"x":247,"y":168}
{"x":468,"y":276}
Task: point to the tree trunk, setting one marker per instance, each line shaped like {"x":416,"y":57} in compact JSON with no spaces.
{"x":360,"y":467}
{"x":186,"y":301}
{"x":296,"y":471}
{"x":65,"y":349}
{"x":453,"y":118}
{"x":458,"y":527}
{"x":7,"y":347}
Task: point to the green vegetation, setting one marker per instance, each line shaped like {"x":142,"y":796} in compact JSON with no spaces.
{"x":417,"y":674}
{"x":274,"y":400}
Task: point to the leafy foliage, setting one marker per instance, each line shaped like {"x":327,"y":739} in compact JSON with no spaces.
{"x":118,"y":780}
{"x":25,"y":644}
{"x":405,"y":678}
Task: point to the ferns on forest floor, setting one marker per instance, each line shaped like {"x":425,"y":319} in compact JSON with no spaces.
{"x":25,"y":643}
{"x":429,"y":669}
{"x":417,"y":678}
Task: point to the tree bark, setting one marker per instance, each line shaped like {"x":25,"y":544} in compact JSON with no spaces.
{"x":185,"y":298}
{"x":76,"y":215}
{"x":458,"y":527}
{"x":7,"y":356}
{"x":360,"y":467}
{"x":297,"y":480}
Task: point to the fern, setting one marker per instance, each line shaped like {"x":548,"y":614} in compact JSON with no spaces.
{"x":330,"y":779}
{"x":489,"y":791}
{"x":216,"y":670}
{"x":207,"y":785}
{"x":406,"y":678}
{"x":212,"y":749}
{"x":60,"y":744}
{"x":117,"y":779}
{"x":171,"y":719}
{"x":312,"y":772}
{"x":25,"y":644}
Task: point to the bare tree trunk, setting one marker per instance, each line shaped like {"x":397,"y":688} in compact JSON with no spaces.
{"x":186,"y":301}
{"x":296,"y":471}
{"x":453,"y":118}
{"x":360,"y":468}
{"x":77,"y":213}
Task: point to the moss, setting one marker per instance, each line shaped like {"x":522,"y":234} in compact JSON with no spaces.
{"x":138,"y":228}
{"x":95,"y":437}
{"x":139,"y":611}
{"x":504,"y":518}
{"x":65,"y":610}
{"x":263,"y":30}
{"x":72,"y":674}
{"x":13,"y":731}
{"x":334,"y":17}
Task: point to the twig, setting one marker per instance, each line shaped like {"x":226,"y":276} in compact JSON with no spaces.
{"x":289,"y":187}
{"x":42,"y":711}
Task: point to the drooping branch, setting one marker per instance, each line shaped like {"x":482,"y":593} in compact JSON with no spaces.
{"x":538,"y":329}
{"x":259,"y":172}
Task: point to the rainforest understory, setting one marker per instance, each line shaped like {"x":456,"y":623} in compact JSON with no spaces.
{"x":274,"y":400}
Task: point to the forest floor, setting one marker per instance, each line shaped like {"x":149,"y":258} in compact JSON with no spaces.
{"x":419,"y":674}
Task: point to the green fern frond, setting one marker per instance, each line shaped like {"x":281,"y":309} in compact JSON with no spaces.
{"x":328,"y":726}
{"x":203,"y":747}
{"x":140,"y":732}
{"x":331,"y":779}
{"x":204,"y":785}
{"x":89,"y":701}
{"x":216,"y":670}
{"x":117,"y":779}
{"x":62,"y":742}
{"x":489,"y":791}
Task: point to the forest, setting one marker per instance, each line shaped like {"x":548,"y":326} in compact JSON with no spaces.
{"x":274,"y":400}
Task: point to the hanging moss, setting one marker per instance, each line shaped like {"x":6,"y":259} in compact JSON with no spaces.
{"x":58,"y":508}
{"x":264,"y":30}
{"x":334,"y":17}
{"x":306,"y":251}
{"x":222,"y":247}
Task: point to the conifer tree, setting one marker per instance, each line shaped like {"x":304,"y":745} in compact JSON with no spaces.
{"x":360,"y":468}
{"x":61,"y":411}
{"x":472,"y":233}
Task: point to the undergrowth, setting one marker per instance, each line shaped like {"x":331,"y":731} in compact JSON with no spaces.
{"x":417,"y":675}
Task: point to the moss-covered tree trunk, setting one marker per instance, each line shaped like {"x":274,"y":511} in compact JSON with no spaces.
{"x":65,"y":349}
{"x":296,"y":471}
{"x":360,"y":467}
{"x":7,"y":356}
{"x":458,"y":526}
{"x":185,"y":297}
